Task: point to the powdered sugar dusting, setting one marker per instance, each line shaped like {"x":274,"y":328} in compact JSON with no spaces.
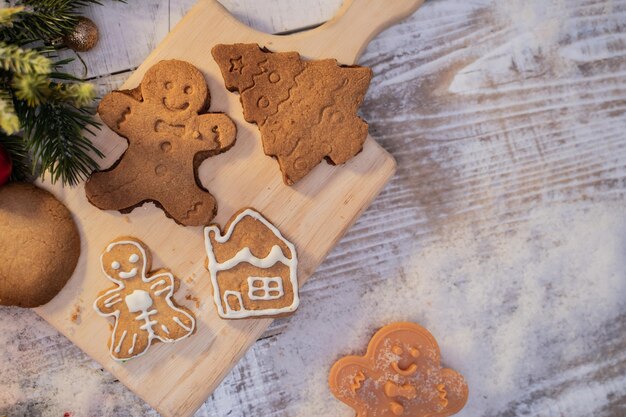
{"x":501,"y":307}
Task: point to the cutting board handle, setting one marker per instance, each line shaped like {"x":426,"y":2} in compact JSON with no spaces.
{"x":356,"y":23}
{"x":343,"y":37}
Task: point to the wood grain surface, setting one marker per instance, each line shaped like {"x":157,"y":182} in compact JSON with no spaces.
{"x":502,"y":231}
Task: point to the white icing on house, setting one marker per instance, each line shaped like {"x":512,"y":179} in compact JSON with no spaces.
{"x":275,"y":256}
{"x":244,"y":255}
{"x":229,"y":310}
{"x":265,"y":291}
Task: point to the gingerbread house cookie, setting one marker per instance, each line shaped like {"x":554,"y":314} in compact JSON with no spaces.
{"x":253,"y":268}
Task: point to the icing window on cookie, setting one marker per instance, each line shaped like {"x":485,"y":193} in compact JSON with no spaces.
{"x":265,"y":288}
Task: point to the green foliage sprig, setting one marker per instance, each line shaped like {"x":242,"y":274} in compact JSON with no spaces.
{"x":44,"y":112}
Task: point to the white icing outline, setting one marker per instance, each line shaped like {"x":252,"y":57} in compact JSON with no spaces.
{"x":265,"y":287}
{"x":237,"y":295}
{"x":126,"y":275}
{"x":121,"y":285}
{"x":244,"y":255}
{"x":134,"y":308}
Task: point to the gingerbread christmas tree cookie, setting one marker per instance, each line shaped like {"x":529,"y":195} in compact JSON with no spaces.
{"x":400,"y":375}
{"x":305,"y":110}
{"x":253,"y":268}
{"x":141,"y":302}
{"x":169,"y":136}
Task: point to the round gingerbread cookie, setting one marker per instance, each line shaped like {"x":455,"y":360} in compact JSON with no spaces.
{"x":39,"y":245}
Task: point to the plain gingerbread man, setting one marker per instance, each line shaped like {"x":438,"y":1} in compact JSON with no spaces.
{"x":168,"y":138}
{"x":399,"y":376}
{"x":140,"y":303}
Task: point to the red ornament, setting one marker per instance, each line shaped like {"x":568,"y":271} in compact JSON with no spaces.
{"x":6,"y":166}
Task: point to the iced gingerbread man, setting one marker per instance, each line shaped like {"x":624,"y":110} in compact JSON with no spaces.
{"x":168,"y":138}
{"x":141,"y":302}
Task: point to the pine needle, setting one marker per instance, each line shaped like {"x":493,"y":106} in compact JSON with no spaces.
{"x":44,"y":112}
{"x":9,"y":121}
{"x":34,"y":89}
{"x":20,"y":61}
{"x":7,"y":14}
{"x":53,"y":133}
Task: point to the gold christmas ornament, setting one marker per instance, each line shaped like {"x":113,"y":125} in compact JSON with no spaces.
{"x":84,"y":37}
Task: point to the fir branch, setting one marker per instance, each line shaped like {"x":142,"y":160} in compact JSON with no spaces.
{"x":78,"y":94}
{"x":34,"y":89}
{"x":46,"y":20}
{"x":20,"y":159}
{"x":9,"y":121}
{"x":53,"y":133}
{"x":23,"y":61}
{"x":38,"y":97}
{"x":7,"y":14}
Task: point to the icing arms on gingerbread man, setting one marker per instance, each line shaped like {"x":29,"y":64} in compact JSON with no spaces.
{"x":141,"y":304}
{"x":168,"y":138}
{"x":400,"y":375}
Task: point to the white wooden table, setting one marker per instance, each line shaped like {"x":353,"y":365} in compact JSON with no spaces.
{"x":504,"y":231}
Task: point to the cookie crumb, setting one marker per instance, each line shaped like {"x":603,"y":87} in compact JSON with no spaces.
{"x":75,"y":316}
{"x":195,"y":300}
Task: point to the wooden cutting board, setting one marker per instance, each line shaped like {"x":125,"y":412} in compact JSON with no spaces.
{"x":177,"y":378}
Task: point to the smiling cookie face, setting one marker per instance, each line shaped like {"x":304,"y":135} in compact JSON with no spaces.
{"x":177,"y":86}
{"x":400,"y":375}
{"x":405,"y":351}
{"x":124,"y":260}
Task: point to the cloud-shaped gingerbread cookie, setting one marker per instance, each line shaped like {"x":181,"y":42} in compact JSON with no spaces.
{"x":400,"y":375}
{"x":169,"y":136}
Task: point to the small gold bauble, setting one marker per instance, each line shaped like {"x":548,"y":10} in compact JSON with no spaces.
{"x":84,"y":37}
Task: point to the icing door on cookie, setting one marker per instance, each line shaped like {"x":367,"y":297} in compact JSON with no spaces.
{"x":233,"y":301}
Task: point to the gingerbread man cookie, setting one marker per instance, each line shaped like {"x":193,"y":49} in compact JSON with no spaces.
{"x":141,"y":303}
{"x":305,"y":110}
{"x":400,"y":375}
{"x":168,"y":138}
